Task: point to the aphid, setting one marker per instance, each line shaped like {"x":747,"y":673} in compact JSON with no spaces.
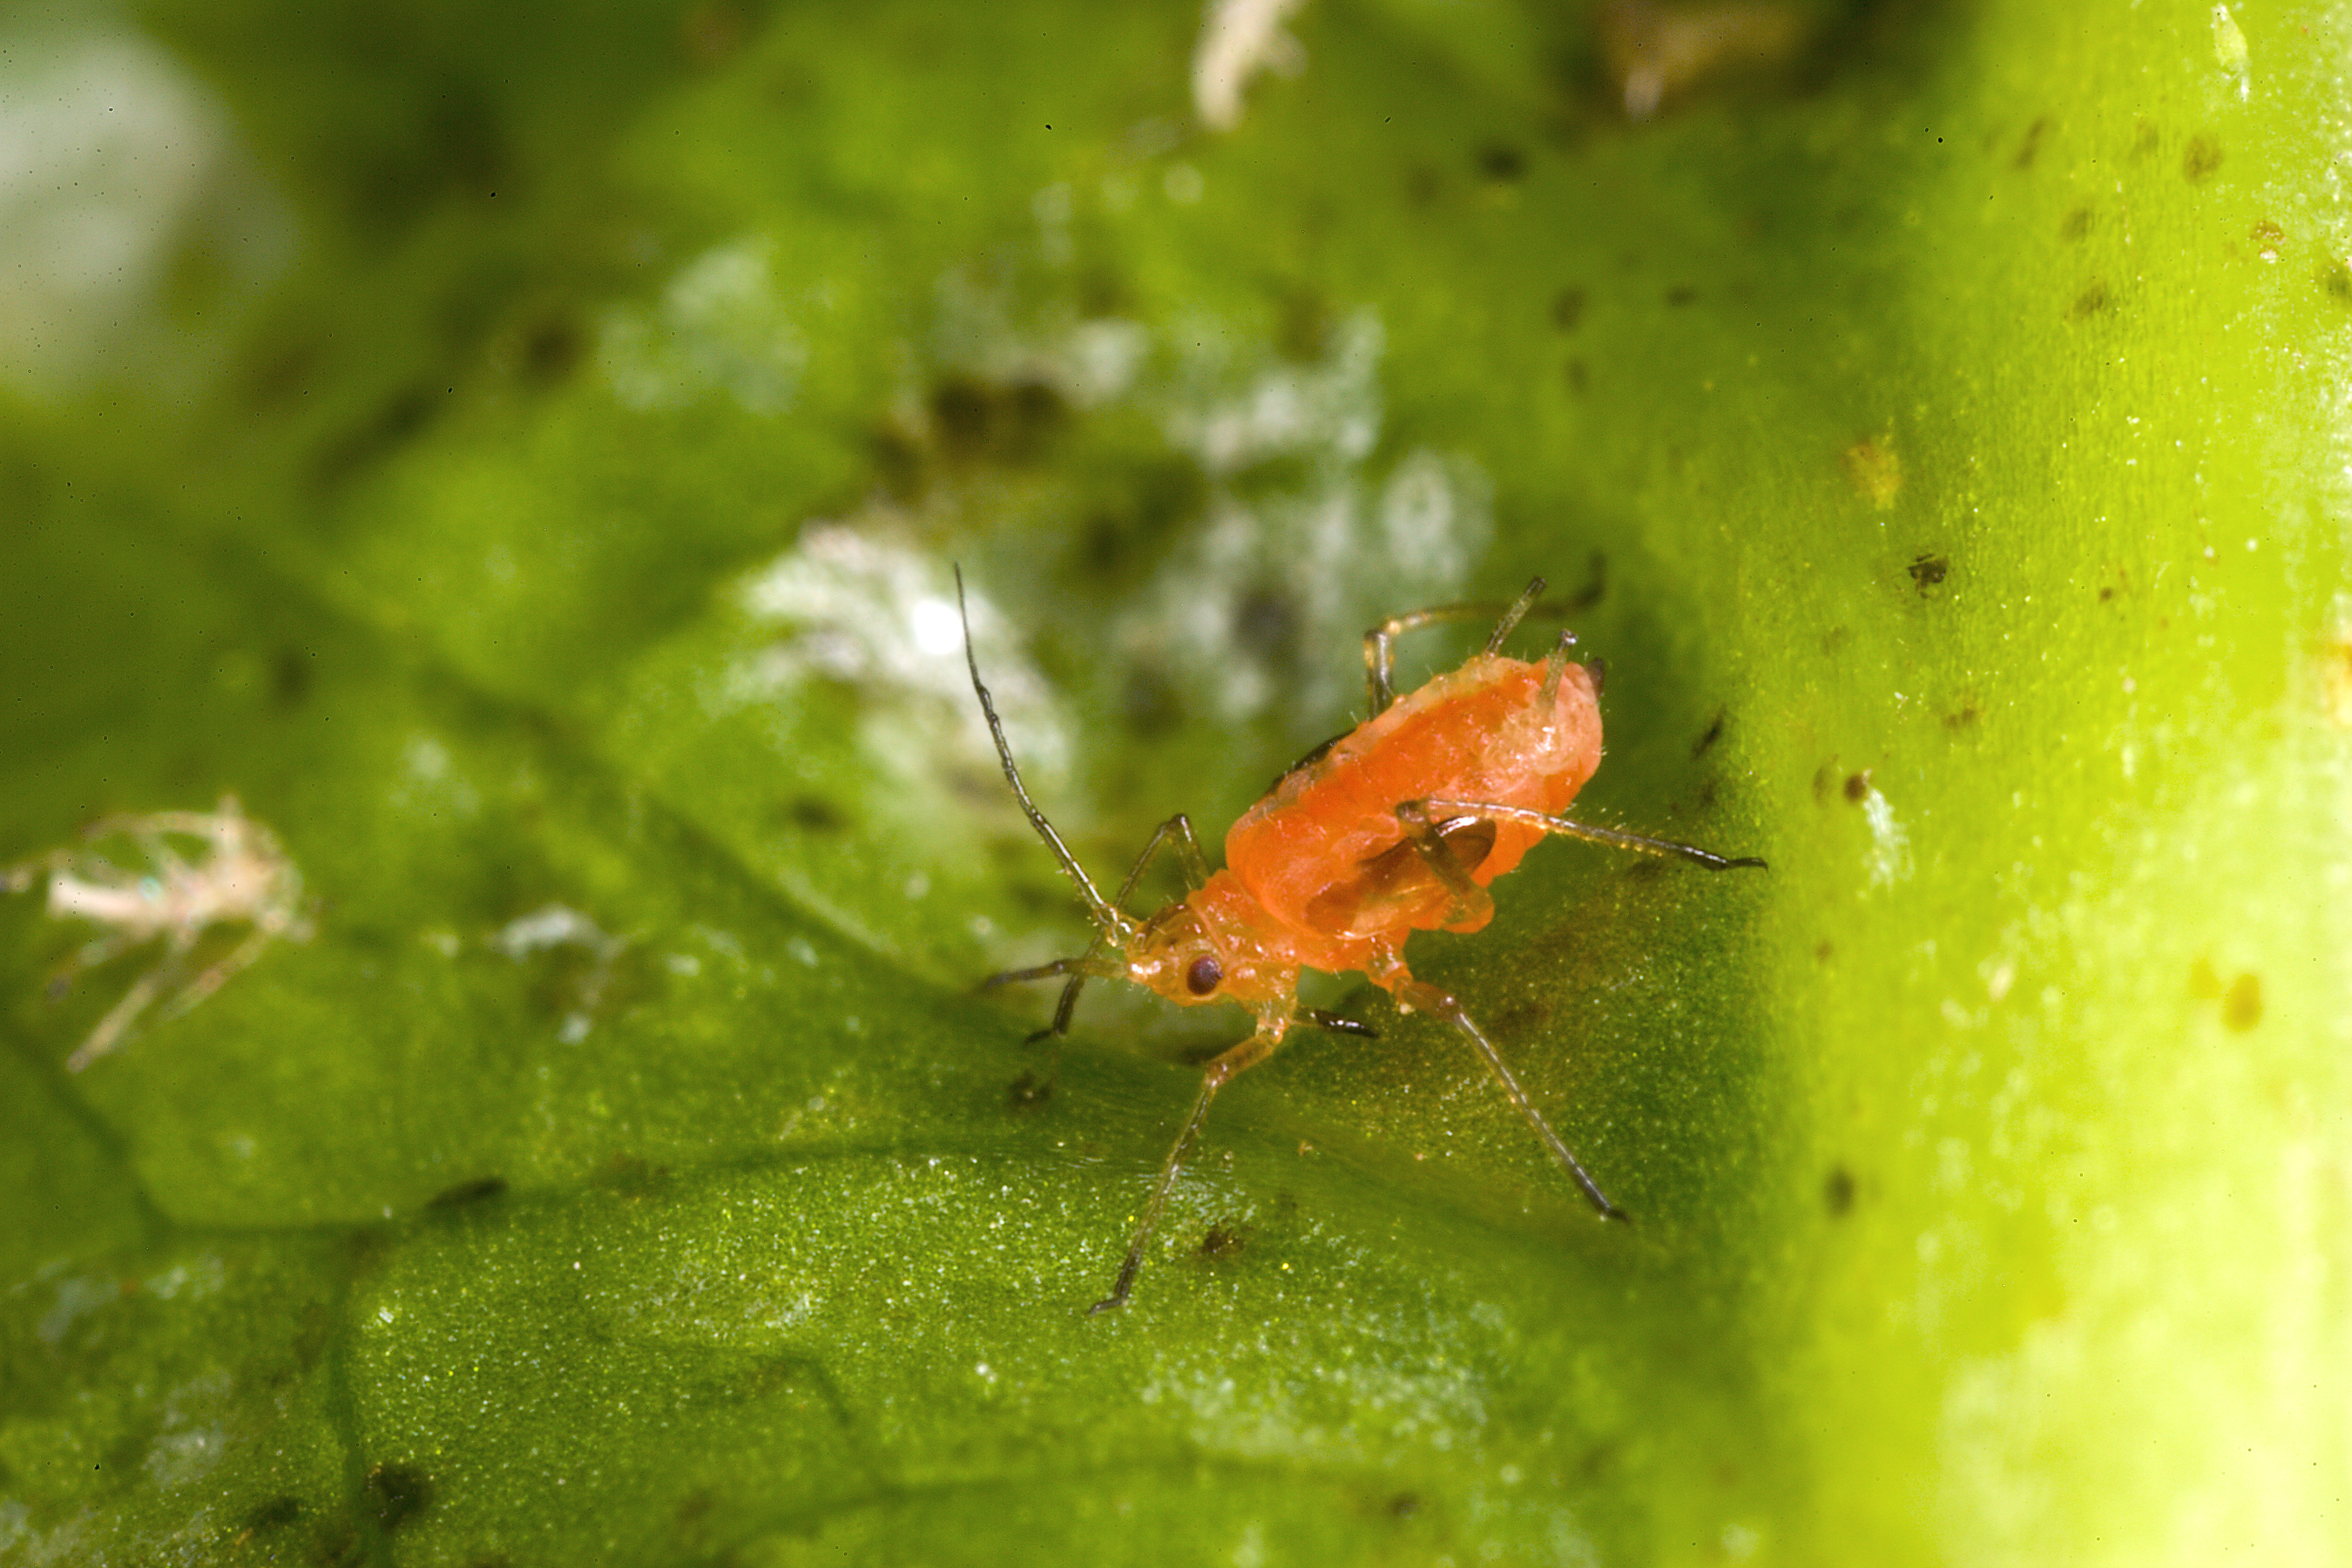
{"x":245,"y":876}
{"x":1394,"y":827}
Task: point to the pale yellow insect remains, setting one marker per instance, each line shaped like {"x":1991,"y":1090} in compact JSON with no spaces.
{"x":244,"y":877}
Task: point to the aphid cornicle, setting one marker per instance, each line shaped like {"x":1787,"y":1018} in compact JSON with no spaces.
{"x":1397,"y":826}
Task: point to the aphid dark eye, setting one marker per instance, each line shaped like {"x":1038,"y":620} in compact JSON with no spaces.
{"x":1204,"y":976}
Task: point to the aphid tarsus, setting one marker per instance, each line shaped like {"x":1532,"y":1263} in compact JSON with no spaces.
{"x":246,"y":877}
{"x":1397,"y":826}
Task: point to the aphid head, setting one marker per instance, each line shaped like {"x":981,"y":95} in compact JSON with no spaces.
{"x":1190,"y":953}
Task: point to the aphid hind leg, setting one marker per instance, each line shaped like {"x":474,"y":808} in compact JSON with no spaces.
{"x":1380,"y":643}
{"x":1222,"y":1071}
{"x":1424,"y":997}
{"x":1427,"y":834}
{"x":1610,"y":836}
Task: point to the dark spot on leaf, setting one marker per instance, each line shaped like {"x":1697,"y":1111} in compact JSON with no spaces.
{"x":813,"y":814}
{"x":1302,"y":327}
{"x":2202,"y":157}
{"x":631,"y":1177}
{"x":338,"y":1544}
{"x":2146,"y":139}
{"x":289,"y":677}
{"x":1501,"y":162}
{"x":551,"y":350}
{"x":1404,"y":1505}
{"x":1825,"y":951}
{"x":1266,"y":623}
{"x":2075,"y":223}
{"x":2029,"y":143}
{"x":1964,"y":716}
{"x":1028,"y":1091}
{"x":1596,"y":585}
{"x":1929,"y":571}
{"x":1834,"y":640}
{"x":481,"y":1189}
{"x":1005,"y":422}
{"x":2241,"y":1005}
{"x":1568,"y":309}
{"x":1709,"y":736}
{"x":399,"y":419}
{"x":2337,"y":278}
{"x":1150,"y":702}
{"x":1837,"y":1192}
{"x":2090,"y":301}
{"x":1681,"y":294}
{"x":1223,"y":1241}
{"x":1576,"y":376}
{"x":2106,"y":594}
{"x":713,"y":32}
{"x":275,"y":1514}
{"x":397,"y":1493}
{"x":280,"y":375}
{"x":897,"y":457}
{"x":1825,"y":780}
{"x":1857,"y":786}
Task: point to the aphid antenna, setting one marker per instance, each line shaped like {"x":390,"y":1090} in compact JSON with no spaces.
{"x":1116,"y":928}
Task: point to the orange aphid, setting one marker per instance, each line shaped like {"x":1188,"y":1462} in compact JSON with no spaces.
{"x":1397,"y":826}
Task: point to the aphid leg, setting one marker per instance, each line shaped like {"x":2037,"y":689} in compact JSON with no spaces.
{"x":125,"y":1013}
{"x":1221,"y":1071}
{"x":1380,"y":643}
{"x":1427,"y":834}
{"x":1609,"y":835}
{"x":1196,"y":872}
{"x":1091,"y":964}
{"x":218,"y":974}
{"x":1425,"y":998}
{"x":90,"y":955}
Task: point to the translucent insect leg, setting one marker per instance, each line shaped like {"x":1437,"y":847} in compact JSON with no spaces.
{"x":1427,"y":998}
{"x":1221,"y":1071}
{"x":1107,"y":920}
{"x":90,"y":955}
{"x":1091,"y":964}
{"x":220,"y":973}
{"x":1591,"y":834}
{"x":1380,"y":643}
{"x":1196,"y":872}
{"x":125,"y":1013}
{"x":1427,"y":836}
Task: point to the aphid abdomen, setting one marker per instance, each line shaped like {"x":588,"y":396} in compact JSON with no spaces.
{"x":1317,"y":852}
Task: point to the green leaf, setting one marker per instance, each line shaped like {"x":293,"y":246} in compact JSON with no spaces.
{"x":523,"y":459}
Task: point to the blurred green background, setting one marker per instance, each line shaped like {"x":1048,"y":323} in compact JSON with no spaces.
{"x":520,"y":453}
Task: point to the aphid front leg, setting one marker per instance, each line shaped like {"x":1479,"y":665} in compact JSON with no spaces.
{"x":1221,"y":1071}
{"x":1423,"y":997}
{"x":1196,"y":871}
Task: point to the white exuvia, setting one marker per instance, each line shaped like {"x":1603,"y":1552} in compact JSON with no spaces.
{"x":244,"y":877}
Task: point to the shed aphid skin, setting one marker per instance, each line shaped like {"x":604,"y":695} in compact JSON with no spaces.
{"x":244,"y":877}
{"x":1397,"y":826}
